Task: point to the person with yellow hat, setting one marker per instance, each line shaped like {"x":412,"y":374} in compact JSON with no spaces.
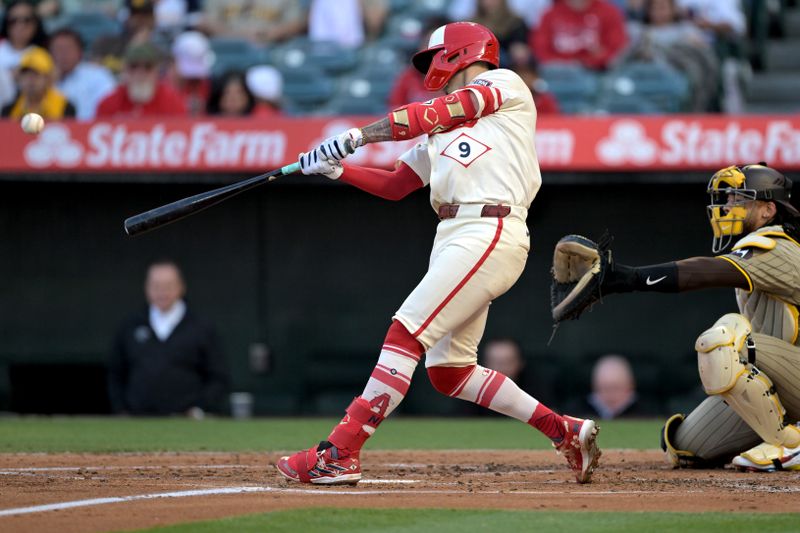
{"x":35,"y":91}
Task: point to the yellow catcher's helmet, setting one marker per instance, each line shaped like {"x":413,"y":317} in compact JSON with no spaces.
{"x":733,"y":188}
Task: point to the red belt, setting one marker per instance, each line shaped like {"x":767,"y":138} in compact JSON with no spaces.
{"x":495,"y":211}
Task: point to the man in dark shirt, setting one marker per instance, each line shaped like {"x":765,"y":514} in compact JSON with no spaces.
{"x":165,"y":359}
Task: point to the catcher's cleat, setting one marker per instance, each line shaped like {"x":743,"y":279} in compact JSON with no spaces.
{"x":321,"y":465}
{"x":768,"y":458}
{"x":579,"y":446}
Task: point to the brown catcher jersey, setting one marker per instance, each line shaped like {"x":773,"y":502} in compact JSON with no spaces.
{"x":770,"y":260}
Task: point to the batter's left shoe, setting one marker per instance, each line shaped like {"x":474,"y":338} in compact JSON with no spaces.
{"x":768,"y":458}
{"x":321,"y":465}
{"x":579,"y":446}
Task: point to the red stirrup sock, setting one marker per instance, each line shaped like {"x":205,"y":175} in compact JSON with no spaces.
{"x":548,"y":422}
{"x":386,"y":388}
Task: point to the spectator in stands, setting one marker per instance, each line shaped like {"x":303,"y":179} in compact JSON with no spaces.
{"x":725,"y":27}
{"x":191,"y":71}
{"x":531,"y":11}
{"x":408,"y":86}
{"x":663,"y":36}
{"x":83,"y":83}
{"x":36,"y":93}
{"x":720,"y":18}
{"x":260,"y":21}
{"x":109,"y":50}
{"x":589,"y":32}
{"x":8,"y":88}
{"x":505,"y":356}
{"x":613,"y":389}
{"x":266,"y":85}
{"x":510,"y":30}
{"x":21,"y":28}
{"x":546,"y":103}
{"x":635,"y":10}
{"x":166,"y":360}
{"x":347,"y":22}
{"x":230,"y":97}
{"x":141,"y":91}
{"x":171,"y":16}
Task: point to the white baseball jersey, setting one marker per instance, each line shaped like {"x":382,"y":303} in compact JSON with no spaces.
{"x":491,"y":160}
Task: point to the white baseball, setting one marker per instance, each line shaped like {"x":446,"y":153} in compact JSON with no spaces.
{"x":32,"y":123}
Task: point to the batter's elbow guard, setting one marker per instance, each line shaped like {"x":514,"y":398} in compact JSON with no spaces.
{"x":432,"y":117}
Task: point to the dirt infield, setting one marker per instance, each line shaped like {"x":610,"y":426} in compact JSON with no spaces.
{"x":127,"y":491}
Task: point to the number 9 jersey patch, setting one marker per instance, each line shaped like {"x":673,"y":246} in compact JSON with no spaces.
{"x":464,"y":149}
{"x":491,"y":160}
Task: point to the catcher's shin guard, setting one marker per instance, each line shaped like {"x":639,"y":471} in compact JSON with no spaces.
{"x":726,"y":359}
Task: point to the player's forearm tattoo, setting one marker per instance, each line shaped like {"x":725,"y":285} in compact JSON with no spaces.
{"x":376,"y":132}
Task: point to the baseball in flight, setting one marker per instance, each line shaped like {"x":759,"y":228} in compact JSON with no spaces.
{"x":32,"y":123}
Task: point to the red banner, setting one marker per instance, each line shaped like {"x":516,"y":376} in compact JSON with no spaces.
{"x":618,"y":143}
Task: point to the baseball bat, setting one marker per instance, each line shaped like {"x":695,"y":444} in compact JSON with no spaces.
{"x":160,"y":216}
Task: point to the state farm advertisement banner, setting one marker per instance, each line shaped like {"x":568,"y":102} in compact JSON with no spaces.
{"x":675,"y":142}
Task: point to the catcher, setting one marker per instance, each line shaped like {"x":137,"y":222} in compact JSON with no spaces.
{"x":749,"y":362}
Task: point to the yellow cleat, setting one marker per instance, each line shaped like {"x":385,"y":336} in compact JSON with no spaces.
{"x":768,"y":458}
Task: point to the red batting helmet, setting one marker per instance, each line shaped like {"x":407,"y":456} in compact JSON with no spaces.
{"x":452,"y":47}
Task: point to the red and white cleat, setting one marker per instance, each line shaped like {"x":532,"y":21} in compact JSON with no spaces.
{"x":321,"y":465}
{"x":579,"y":447}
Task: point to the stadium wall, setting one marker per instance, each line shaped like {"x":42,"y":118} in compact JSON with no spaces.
{"x":314,"y":271}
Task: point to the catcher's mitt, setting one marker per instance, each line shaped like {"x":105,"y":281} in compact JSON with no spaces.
{"x":579,"y":267}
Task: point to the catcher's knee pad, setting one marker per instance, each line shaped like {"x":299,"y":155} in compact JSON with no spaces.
{"x":449,"y":379}
{"x":719,"y":352}
{"x":725,"y":358}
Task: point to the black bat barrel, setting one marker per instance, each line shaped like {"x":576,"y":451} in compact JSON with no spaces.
{"x":155,"y":218}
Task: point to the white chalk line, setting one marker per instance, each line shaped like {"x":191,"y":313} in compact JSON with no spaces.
{"x":281,"y":490}
{"x":118,"y":467}
{"x":119,"y":499}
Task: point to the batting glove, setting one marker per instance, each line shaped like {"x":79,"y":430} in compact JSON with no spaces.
{"x":336,"y":147}
{"x":313,"y":163}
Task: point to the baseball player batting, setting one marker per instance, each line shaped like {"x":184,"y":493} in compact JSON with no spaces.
{"x":749,"y":362}
{"x":480,"y":162}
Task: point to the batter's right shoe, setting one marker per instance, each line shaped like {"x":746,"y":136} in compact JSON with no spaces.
{"x":579,"y":447}
{"x":768,"y":458}
{"x":321,"y":465}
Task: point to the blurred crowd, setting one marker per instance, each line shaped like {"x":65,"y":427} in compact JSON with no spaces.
{"x":123,"y":58}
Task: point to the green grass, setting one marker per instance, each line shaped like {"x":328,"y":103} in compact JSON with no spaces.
{"x":96,"y":435}
{"x":93,"y":435}
{"x":460,"y":521}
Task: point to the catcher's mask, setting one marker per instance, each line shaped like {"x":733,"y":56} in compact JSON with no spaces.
{"x":732,"y":190}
